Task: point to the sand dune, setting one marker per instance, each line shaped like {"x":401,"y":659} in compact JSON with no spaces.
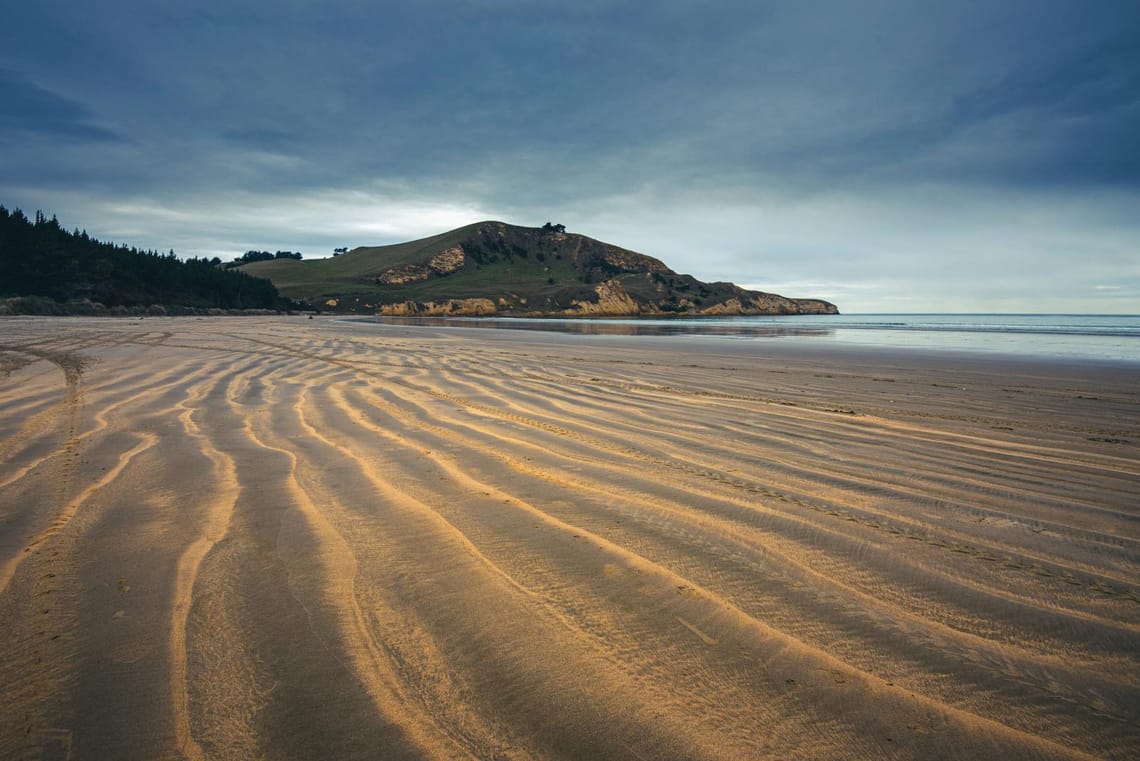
{"x":281,"y":538}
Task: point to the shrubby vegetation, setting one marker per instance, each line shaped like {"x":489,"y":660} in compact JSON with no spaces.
{"x":44,"y":269}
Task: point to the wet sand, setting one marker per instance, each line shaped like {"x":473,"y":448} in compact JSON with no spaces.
{"x":283,"y":538}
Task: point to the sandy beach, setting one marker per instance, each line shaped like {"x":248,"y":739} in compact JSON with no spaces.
{"x":274,"y":537}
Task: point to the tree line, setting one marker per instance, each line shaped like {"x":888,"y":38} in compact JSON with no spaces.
{"x":39,"y":258}
{"x":262,"y":256}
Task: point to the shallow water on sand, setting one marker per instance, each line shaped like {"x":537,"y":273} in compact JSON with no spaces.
{"x":1094,"y":337}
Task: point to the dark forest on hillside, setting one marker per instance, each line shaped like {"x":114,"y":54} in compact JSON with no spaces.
{"x":58,"y":272}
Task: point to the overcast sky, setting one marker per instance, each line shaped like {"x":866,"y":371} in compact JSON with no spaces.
{"x":888,"y":156}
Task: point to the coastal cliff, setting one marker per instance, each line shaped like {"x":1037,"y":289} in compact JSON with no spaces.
{"x":492,"y":268}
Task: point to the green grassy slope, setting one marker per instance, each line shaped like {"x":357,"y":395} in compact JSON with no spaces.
{"x":353,"y":272}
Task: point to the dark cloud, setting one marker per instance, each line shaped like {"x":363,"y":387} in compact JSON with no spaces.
{"x":1102,"y":80}
{"x":30,"y":110}
{"x":529,"y":108}
{"x":482,"y":89}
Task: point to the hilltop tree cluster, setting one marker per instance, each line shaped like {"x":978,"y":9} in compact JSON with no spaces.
{"x":263,"y":256}
{"x":39,"y":258}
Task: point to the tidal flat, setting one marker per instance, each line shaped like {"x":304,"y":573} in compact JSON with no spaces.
{"x":273,"y":537}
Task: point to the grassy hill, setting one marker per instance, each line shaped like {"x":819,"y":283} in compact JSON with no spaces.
{"x":492,"y":267}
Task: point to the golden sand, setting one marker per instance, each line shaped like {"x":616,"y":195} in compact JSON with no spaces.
{"x":240,"y":538}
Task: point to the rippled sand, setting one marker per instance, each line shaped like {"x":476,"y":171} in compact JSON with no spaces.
{"x":287,"y":538}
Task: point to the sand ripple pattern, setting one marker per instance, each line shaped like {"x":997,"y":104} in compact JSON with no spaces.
{"x":281,"y":538}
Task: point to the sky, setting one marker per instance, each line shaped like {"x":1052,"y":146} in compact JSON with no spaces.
{"x":967,"y":156}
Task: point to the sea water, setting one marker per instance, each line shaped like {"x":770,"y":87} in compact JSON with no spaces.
{"x":1094,"y":337}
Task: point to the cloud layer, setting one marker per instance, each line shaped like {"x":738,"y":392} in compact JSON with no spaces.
{"x":887,"y":155}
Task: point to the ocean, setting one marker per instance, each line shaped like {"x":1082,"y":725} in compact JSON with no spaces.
{"x":1092,"y":337}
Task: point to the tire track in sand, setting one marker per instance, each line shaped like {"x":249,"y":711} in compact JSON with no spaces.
{"x":69,"y":510}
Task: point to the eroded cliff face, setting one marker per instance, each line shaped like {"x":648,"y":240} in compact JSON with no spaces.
{"x":444,"y":263}
{"x":730,"y":307}
{"x":447,"y":261}
{"x":404,"y":274}
{"x":753,"y":303}
{"x":444,"y":308}
{"x":621,"y":260}
{"x":613,"y":301}
{"x":816,"y":306}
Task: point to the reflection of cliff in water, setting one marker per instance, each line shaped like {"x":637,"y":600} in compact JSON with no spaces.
{"x":619,"y":327}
